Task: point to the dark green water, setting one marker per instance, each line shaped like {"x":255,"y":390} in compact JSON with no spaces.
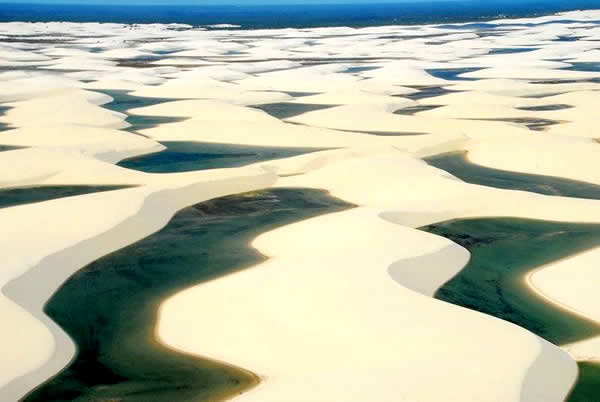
{"x":509,"y":50}
{"x":144,"y":122}
{"x":189,"y":156}
{"x":186,"y":156}
{"x":4,"y":126}
{"x":546,"y":108}
{"x":109,"y":307}
{"x":360,"y":69}
{"x":409,"y":111}
{"x":28,"y":195}
{"x":531,"y":123}
{"x":4,"y":148}
{"x":284,"y":110}
{"x":504,"y":251}
{"x":427,"y":92}
{"x":457,"y":164}
{"x":588,"y":385}
{"x":123,"y":101}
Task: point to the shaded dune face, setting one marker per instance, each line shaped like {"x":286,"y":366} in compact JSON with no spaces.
{"x":109,"y":307}
{"x":503,"y":252}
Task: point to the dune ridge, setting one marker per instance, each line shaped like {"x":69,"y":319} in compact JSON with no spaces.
{"x":342,"y":309}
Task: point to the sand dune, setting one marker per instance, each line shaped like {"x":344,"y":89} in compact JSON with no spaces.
{"x":342,"y":309}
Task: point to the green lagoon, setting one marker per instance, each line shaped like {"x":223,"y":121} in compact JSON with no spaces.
{"x":109,"y":307}
{"x":505,"y":250}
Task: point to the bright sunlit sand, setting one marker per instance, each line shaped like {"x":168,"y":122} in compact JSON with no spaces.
{"x":289,"y":174}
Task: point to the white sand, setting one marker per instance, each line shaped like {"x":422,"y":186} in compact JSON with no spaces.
{"x":128,"y":216}
{"x":342,"y":309}
{"x":569,"y":282}
{"x":302,"y":307}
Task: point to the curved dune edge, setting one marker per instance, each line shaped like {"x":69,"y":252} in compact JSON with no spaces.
{"x":251,"y":306}
{"x":316,"y":318}
{"x":151,"y":208}
{"x":81,"y":140}
{"x":77,"y":148}
{"x":576,"y":276}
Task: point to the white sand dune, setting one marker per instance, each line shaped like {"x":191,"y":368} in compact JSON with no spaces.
{"x":342,"y":310}
{"x":333,"y":246}
{"x":301,"y":307}
{"x":559,"y":156}
{"x":102,"y":143}
{"x":209,"y":89}
{"x":219,"y":122}
{"x":568,"y":281}
{"x":67,"y":107}
{"x":128,"y":216}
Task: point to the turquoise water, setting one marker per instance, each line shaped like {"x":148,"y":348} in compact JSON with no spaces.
{"x":109,"y":307}
{"x":509,"y":50}
{"x":452,"y":74}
